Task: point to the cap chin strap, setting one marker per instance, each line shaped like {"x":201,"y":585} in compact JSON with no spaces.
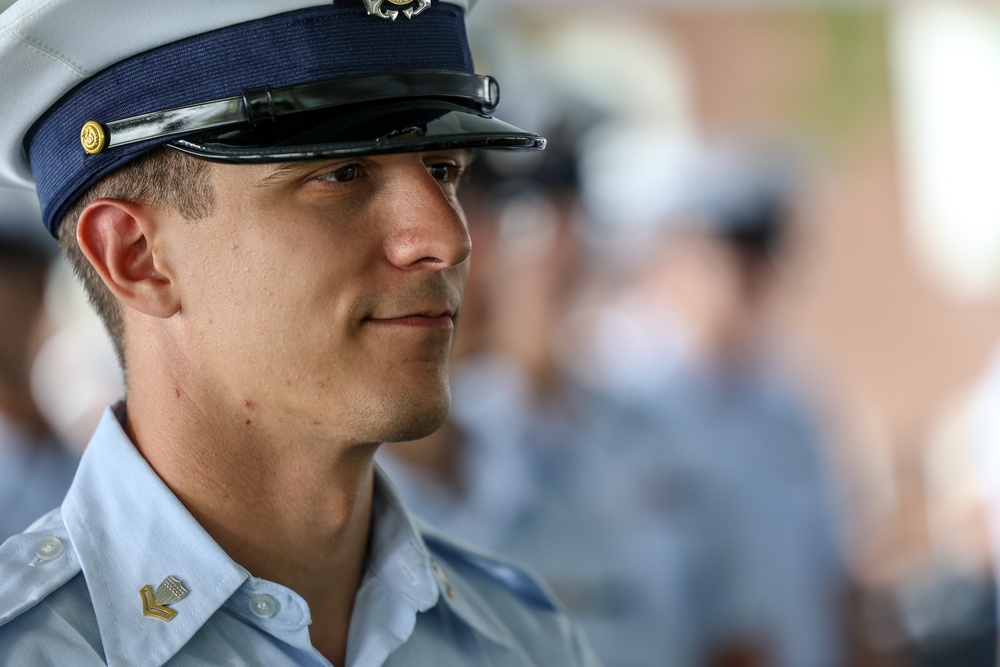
{"x":265,"y":105}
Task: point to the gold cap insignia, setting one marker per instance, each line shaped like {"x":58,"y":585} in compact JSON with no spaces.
{"x":167,"y":593}
{"x":93,"y":137}
{"x":374,"y":8}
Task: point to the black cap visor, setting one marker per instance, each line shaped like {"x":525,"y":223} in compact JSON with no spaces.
{"x":363,"y":129}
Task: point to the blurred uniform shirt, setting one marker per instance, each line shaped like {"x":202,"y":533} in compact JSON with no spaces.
{"x":34,"y":476}
{"x":726,"y":471}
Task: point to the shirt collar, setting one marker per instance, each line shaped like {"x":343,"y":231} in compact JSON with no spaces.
{"x":397,"y":554}
{"x":397,"y":534}
{"x":130,"y":531}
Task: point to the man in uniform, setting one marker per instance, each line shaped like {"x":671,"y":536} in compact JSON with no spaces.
{"x":260,"y":197}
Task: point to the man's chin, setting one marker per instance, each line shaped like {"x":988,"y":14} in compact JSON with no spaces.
{"x":416,"y":419}
{"x":416,"y":431}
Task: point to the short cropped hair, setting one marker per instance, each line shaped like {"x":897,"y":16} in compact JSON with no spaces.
{"x":164,"y":177}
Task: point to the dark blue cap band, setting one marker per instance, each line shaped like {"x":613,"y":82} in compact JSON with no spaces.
{"x":313,"y":44}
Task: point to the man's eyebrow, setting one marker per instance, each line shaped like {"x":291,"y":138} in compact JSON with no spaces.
{"x":279,"y":170}
{"x":468,"y":155}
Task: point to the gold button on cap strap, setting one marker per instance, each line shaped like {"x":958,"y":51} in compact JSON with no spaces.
{"x":93,"y":137}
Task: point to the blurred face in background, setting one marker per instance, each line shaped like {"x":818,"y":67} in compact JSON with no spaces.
{"x":720,"y":290}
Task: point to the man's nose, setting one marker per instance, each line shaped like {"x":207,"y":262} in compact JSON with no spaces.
{"x":428,"y":229}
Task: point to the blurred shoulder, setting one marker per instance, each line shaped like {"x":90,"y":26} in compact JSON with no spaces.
{"x":494,"y":592}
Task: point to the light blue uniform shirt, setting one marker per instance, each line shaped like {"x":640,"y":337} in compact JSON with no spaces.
{"x":423,"y":600}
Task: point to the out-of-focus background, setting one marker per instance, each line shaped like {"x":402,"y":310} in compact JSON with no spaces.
{"x":725,"y":374}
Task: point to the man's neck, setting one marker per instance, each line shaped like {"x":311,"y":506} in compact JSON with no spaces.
{"x":291,"y":511}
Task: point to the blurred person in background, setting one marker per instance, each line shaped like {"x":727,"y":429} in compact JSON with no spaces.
{"x":35,"y":468}
{"x":714,"y":468}
{"x":933,"y":593}
{"x":948,"y":600}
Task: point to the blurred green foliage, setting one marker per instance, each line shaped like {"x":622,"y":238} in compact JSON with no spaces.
{"x":851,"y":89}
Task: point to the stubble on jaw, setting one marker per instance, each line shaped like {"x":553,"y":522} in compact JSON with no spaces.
{"x":420,"y":401}
{"x":401,"y":423}
{"x":400,"y":399}
{"x":406,"y":411}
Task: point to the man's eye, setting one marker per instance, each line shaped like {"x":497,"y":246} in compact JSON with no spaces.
{"x":343,"y":174}
{"x":444,"y":172}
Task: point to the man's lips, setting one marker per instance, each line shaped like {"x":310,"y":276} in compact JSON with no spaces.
{"x":443,"y":321}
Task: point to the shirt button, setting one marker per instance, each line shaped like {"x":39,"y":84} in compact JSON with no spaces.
{"x":263,"y":606}
{"x":443,"y":579}
{"x":48,"y":548}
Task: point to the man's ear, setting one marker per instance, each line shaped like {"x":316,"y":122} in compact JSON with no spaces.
{"x":116,"y":236}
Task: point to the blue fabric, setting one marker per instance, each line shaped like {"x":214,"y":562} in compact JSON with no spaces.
{"x":34,"y":476}
{"x":298,"y":47}
{"x":420,"y":602}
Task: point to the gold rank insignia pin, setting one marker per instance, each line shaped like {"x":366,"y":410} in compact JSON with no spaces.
{"x":167,"y":593}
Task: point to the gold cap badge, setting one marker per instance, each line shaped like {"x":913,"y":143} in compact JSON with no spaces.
{"x":93,"y":137}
